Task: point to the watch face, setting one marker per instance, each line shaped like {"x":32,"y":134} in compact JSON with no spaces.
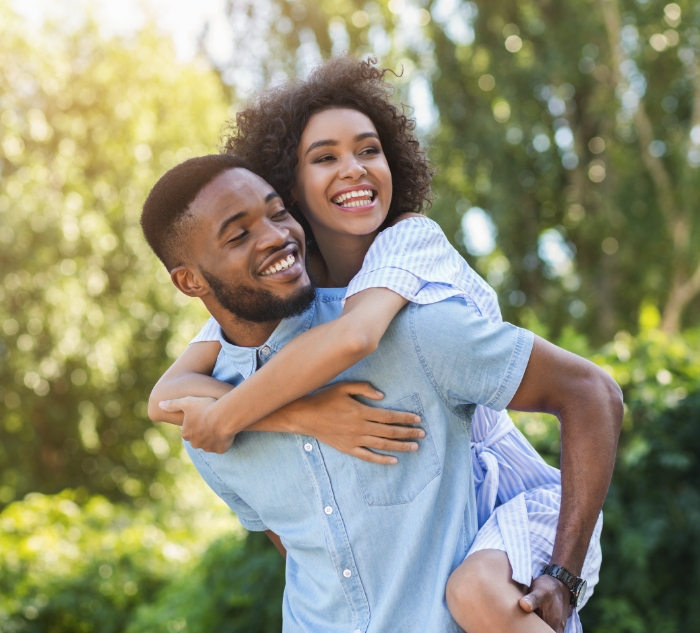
{"x":581,"y":594}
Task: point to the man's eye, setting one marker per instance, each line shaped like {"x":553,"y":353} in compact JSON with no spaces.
{"x":237,"y":238}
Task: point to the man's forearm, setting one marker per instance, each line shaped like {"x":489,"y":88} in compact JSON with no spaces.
{"x":590,"y":427}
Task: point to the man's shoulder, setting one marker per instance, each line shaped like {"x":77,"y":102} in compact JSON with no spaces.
{"x":328,"y":304}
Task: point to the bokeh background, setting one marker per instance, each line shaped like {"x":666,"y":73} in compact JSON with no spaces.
{"x":567,"y":137}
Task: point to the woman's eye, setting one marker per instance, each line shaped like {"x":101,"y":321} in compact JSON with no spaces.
{"x":280,"y":215}
{"x":324,"y":159}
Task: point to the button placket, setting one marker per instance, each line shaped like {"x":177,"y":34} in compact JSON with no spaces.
{"x":340,"y":551}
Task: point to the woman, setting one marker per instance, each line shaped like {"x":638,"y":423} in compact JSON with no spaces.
{"x":337,"y":151}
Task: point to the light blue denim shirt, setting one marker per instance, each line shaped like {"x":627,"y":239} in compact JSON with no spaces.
{"x":370,"y":547}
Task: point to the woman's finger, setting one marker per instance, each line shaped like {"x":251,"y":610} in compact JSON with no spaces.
{"x":394,"y":432}
{"x":382,"y":444}
{"x":389,"y":416}
{"x":361,"y":389}
{"x":173,"y":406}
{"x":374,"y":458}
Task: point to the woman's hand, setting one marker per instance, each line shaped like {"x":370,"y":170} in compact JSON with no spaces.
{"x":197,"y":428}
{"x":331,"y":415}
{"x":334,"y":417}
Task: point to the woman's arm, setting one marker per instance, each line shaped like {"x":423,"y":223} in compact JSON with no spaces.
{"x":303,"y":365}
{"x":189,"y":375}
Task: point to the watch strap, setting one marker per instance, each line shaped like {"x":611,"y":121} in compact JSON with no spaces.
{"x":572,"y":581}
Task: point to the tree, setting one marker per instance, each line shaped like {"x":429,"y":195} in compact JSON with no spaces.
{"x":88,"y":315}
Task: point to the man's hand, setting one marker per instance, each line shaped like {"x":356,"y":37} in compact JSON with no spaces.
{"x":196,"y":429}
{"x":334,"y":417}
{"x":550,"y":599}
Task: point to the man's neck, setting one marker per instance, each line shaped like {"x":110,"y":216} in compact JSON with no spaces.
{"x":240,"y":332}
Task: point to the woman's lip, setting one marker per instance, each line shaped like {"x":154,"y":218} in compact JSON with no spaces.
{"x":365,"y":207}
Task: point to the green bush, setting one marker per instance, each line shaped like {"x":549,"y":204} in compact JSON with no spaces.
{"x":651,"y":540}
{"x":237,"y":587}
{"x":70,"y":562}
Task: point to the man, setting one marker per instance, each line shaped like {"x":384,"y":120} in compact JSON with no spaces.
{"x":370,"y":548}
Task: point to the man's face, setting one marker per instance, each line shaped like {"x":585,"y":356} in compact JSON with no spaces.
{"x":249,"y":249}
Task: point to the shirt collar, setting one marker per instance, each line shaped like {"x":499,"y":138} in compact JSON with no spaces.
{"x":246,"y":358}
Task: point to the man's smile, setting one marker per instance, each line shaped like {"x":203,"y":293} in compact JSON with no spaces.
{"x":284,"y":265}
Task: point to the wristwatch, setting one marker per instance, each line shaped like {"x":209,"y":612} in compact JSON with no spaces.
{"x":577,"y":586}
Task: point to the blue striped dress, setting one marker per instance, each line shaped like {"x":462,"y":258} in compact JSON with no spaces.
{"x":518,"y":494}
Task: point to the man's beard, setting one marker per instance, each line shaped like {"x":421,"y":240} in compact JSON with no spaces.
{"x":259,"y":305}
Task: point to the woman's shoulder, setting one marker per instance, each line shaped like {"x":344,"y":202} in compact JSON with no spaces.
{"x":408,"y":233}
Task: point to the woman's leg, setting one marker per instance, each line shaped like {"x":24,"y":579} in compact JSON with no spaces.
{"x":483,"y":597}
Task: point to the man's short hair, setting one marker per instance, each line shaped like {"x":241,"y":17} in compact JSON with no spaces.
{"x":165,"y":215}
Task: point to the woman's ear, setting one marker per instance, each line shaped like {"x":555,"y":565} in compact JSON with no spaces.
{"x":189,"y":282}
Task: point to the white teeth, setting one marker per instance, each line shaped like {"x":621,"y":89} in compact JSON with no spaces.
{"x":360,"y":193}
{"x":283,"y":264}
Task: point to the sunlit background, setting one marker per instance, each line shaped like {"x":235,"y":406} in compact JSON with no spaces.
{"x":567,"y":141}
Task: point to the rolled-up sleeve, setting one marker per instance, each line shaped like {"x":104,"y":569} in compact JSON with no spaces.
{"x":468,"y":358}
{"x":248,"y":518}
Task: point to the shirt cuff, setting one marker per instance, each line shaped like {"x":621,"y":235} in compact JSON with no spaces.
{"x":514,"y":372}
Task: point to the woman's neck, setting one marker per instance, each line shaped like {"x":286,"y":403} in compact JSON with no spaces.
{"x":343,"y":255}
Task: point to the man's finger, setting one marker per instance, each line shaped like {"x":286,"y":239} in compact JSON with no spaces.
{"x":531,"y":601}
{"x":362,"y":389}
{"x":375,"y":458}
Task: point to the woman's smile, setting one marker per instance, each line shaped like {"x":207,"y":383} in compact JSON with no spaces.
{"x":355,"y":199}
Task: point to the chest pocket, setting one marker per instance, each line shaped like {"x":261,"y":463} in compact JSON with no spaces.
{"x":394,"y":485}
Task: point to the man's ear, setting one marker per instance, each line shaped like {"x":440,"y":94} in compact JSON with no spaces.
{"x":189,"y":282}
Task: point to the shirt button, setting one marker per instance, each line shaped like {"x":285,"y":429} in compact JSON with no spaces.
{"x":347,"y":573}
{"x":357,"y":631}
{"x":328,"y":510}
{"x":265,"y":351}
{"x":308,"y":447}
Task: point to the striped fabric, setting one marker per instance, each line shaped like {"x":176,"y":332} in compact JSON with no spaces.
{"x":518,"y":494}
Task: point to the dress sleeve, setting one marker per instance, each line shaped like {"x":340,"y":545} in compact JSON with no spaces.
{"x":414,"y":259}
{"x":210,"y":332}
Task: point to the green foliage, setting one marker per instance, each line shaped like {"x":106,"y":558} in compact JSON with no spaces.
{"x":651,"y":573}
{"x":538,"y":125}
{"x":88,"y":317}
{"x":237,"y":586}
{"x":71,"y":562}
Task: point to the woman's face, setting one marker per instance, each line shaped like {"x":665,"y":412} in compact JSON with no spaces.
{"x":343,"y":182}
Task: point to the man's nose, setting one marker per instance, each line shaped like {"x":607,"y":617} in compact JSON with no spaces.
{"x":275,"y":235}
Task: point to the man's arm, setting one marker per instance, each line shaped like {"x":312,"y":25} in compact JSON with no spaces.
{"x":588,"y":403}
{"x":277,"y":542}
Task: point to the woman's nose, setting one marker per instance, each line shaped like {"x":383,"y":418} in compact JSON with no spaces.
{"x":352,"y":169}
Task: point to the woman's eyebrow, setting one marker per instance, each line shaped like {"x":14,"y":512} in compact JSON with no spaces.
{"x":320,"y":144}
{"x":331,"y":142}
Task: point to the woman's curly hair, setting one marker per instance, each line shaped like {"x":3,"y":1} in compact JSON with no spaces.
{"x":267,"y":132}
